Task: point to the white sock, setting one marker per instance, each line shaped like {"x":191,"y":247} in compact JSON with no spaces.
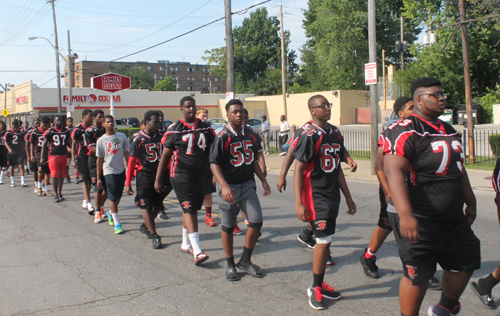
{"x":84,"y":204}
{"x":46,"y":188}
{"x":89,"y":205}
{"x":22,"y":180}
{"x":115,"y":218}
{"x":194,"y":238}
{"x":39,"y":185}
{"x":43,"y":182}
{"x":185,"y":239}
{"x":36,"y":184}
{"x":12,"y":180}
{"x":2,"y":176}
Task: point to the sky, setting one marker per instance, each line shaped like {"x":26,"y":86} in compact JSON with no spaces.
{"x":107,"y":30}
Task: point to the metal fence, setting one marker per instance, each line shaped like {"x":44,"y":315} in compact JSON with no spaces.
{"x":357,"y":143}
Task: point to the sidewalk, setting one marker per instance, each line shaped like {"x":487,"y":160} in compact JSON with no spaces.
{"x":479,"y":179}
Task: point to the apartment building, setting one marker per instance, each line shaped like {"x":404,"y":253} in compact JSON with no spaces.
{"x":187,"y":76}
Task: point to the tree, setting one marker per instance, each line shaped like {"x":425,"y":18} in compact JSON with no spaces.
{"x":139,"y":78}
{"x":432,"y":61}
{"x":337,"y":46}
{"x":166,"y":84}
{"x":257,"y":55}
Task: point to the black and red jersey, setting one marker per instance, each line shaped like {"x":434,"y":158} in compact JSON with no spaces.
{"x":37,"y":140}
{"x":78,"y":135}
{"x":495,"y":178}
{"x":15,"y":140}
{"x":57,"y":140}
{"x":92,"y":135}
{"x":322,"y":151}
{"x":3,"y":150}
{"x":191,"y":145}
{"x":434,"y":151}
{"x":236,"y":153}
{"x":148,"y":150}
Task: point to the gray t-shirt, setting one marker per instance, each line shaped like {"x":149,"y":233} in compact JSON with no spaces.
{"x":112,"y":149}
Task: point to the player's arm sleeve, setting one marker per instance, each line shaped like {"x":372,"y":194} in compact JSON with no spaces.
{"x":258,"y":143}
{"x":47,"y":135}
{"x":210,"y":137}
{"x":399,"y":141}
{"x":132,"y":163}
{"x":303,"y":150}
{"x":217,"y":152}
{"x":169,"y":139}
{"x":89,"y":138}
{"x":135,"y":148}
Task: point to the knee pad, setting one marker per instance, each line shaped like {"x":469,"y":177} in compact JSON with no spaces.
{"x":324,"y":240}
{"x":226,"y":229}
{"x":254,"y":225}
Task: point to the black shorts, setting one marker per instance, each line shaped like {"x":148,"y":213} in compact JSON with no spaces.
{"x":383,"y":218}
{"x":92,"y":163}
{"x":114,"y":185}
{"x":4,"y":159}
{"x":210,"y":187}
{"x":190,"y":190}
{"x":16,"y":158}
{"x":82,"y":164}
{"x":323,"y":227}
{"x":42,"y":168}
{"x":33,"y":166}
{"x":146,"y":193}
{"x":452,"y":244}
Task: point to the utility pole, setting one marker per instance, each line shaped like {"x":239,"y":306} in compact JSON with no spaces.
{"x":229,"y":48}
{"x":5,"y":89}
{"x":283,"y":66}
{"x":58,"y":71}
{"x":70,"y":74}
{"x":372,"y":41}
{"x":402,"y":45}
{"x":468,"y":93}
{"x":383,"y":77}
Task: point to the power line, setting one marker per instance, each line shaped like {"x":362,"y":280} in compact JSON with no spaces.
{"x":178,"y":36}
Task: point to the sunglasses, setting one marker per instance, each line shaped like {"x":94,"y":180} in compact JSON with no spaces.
{"x":324,"y":106}
{"x":437,"y":95}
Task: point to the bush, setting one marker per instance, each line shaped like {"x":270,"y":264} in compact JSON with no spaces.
{"x":129,"y":131}
{"x":487,"y":101}
{"x":495,"y":144}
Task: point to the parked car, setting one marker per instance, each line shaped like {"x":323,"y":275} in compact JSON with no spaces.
{"x":393,"y":118}
{"x":134,"y":121}
{"x":167,"y":122}
{"x":217,"y":124}
{"x":255,"y":124}
{"x":120,"y":124}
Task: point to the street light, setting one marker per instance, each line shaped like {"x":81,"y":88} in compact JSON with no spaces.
{"x":57,"y":71}
{"x":5,"y":89}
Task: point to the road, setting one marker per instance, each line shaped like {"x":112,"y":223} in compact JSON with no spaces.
{"x":55,"y":261}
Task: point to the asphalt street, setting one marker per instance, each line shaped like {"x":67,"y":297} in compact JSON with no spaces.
{"x":55,"y":261}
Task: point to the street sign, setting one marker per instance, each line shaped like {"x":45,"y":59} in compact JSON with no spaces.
{"x":5,"y":113}
{"x":70,"y":108}
{"x":229,"y":96}
{"x":371,"y":73}
{"x":111,"y":82}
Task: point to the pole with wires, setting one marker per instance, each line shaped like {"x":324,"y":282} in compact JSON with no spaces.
{"x":229,"y":48}
{"x":58,"y":70}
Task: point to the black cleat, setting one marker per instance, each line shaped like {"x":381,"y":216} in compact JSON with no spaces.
{"x":143,"y":229}
{"x":435,"y":284}
{"x":369,"y":266}
{"x":310,"y":242}
{"x":316,"y":298}
{"x":156,"y":241}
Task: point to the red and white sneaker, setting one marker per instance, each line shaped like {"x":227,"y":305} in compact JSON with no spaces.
{"x":210,"y":221}
{"x":329,"y":293}
{"x":200,"y":258}
{"x":97,"y":217}
{"x":237,"y":231}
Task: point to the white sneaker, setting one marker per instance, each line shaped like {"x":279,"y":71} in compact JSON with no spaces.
{"x":84,"y":204}
{"x":24,"y":184}
{"x":36,"y":190}
{"x":12,"y":184}
{"x":283,"y":153}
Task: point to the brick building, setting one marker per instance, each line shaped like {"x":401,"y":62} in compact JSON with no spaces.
{"x":187,"y":76}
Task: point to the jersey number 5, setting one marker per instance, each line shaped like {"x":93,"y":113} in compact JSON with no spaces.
{"x":152,"y":153}
{"x":202,"y":142}
{"x":238,"y":155}
{"x":442,"y":146}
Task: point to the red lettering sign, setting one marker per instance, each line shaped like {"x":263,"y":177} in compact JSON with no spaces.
{"x":111,"y":82}
{"x":22,"y":99}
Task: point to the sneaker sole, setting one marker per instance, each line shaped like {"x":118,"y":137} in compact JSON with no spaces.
{"x":202,"y":260}
{"x":303,"y":242}
{"x":97,"y":221}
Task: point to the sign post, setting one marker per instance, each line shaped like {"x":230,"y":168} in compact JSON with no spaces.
{"x":111,"y":82}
